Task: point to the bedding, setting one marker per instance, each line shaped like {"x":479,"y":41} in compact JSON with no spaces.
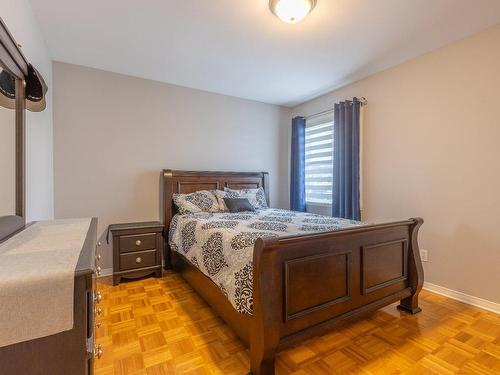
{"x":221,"y":244}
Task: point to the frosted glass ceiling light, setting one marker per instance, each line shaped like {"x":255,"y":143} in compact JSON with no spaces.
{"x":291,"y":11}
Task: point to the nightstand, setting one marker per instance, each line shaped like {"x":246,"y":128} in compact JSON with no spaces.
{"x":137,"y":250}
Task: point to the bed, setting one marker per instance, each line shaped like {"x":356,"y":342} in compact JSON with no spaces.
{"x":301,"y":285}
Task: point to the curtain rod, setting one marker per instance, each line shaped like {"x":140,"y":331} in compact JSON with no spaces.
{"x":362,"y":101}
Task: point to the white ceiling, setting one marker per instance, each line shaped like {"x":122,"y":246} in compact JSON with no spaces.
{"x":238,"y":48}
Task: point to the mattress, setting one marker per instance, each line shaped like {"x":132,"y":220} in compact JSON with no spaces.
{"x":221,"y":244}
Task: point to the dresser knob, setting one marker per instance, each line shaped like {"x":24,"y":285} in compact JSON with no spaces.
{"x":98,"y":324}
{"x":98,"y":351}
{"x":98,"y":270}
{"x":97,"y":311}
{"x":138,"y":243}
{"x":98,"y":297}
{"x":98,"y":256}
{"x":99,"y":243}
{"x":138,"y":260}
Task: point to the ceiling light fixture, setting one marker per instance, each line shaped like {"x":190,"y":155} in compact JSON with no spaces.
{"x":292,"y":11}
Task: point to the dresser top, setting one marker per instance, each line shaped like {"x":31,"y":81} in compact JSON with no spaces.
{"x":38,"y":267}
{"x":138,"y":225}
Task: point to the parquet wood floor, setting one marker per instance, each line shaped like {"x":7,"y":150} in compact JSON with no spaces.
{"x":161,"y":326}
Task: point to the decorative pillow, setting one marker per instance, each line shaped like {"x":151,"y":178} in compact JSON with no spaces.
{"x":238,"y":205}
{"x":220,"y":194}
{"x":199,"y":201}
{"x":257,"y":197}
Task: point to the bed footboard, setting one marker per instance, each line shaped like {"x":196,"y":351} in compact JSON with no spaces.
{"x":304,"y":285}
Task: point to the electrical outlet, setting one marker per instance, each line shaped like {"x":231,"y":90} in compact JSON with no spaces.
{"x":424,"y":255}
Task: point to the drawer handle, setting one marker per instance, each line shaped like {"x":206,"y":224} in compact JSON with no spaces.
{"x":138,"y":243}
{"x":98,"y":297}
{"x":98,"y":351}
{"x":98,"y":271}
{"x":98,"y":257}
{"x":98,"y":324}
{"x":97,"y":311}
{"x":138,"y":260}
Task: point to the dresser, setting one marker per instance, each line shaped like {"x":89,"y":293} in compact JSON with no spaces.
{"x":71,"y":351}
{"x":137,"y":250}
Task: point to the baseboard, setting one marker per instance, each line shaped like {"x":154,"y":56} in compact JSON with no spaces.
{"x":462,"y":297}
{"x":106,"y":272}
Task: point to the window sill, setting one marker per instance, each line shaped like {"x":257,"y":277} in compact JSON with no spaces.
{"x":318,"y":204}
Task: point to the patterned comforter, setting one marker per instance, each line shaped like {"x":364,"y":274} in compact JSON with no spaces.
{"x":221,"y":244}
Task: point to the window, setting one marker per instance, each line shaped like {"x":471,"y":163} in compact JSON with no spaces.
{"x":319,"y":160}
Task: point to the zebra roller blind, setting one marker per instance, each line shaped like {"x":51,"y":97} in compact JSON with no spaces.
{"x":319,"y":159}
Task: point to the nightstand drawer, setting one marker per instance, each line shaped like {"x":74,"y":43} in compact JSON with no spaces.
{"x":137,"y":260}
{"x":137,"y":242}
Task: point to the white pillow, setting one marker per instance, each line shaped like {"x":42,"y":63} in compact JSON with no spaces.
{"x":199,"y":201}
{"x":257,"y":197}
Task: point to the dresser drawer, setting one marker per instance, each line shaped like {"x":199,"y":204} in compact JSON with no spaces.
{"x":138,"y":260}
{"x":137,"y":242}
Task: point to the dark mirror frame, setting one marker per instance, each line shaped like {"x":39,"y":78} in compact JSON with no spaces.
{"x":13,"y":61}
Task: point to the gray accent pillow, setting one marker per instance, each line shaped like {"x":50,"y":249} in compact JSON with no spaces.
{"x":257,"y":197}
{"x":238,"y":205}
{"x":220,"y":194}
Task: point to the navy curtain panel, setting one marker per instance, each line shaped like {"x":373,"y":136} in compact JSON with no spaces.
{"x":298,"y":167}
{"x":346,"y":160}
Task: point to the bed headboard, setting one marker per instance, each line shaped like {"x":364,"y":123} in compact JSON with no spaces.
{"x":173,"y":181}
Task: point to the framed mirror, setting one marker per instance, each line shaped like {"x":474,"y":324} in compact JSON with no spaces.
{"x":8,"y":154}
{"x":12,"y":181}
{"x":21,"y":87}
{"x":14,"y":72}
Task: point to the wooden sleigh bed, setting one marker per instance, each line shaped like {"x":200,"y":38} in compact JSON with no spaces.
{"x":304,"y":285}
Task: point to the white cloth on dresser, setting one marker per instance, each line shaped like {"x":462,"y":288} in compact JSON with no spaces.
{"x":37,"y":271}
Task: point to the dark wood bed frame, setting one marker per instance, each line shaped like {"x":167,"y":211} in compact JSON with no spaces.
{"x":304,"y":285}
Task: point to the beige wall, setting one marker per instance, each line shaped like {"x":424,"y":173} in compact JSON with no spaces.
{"x":432,"y":149}
{"x":431,"y":136}
{"x":22,"y":23}
{"x":113,"y":134}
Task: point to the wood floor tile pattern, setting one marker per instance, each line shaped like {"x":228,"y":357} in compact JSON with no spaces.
{"x":161,"y":326}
